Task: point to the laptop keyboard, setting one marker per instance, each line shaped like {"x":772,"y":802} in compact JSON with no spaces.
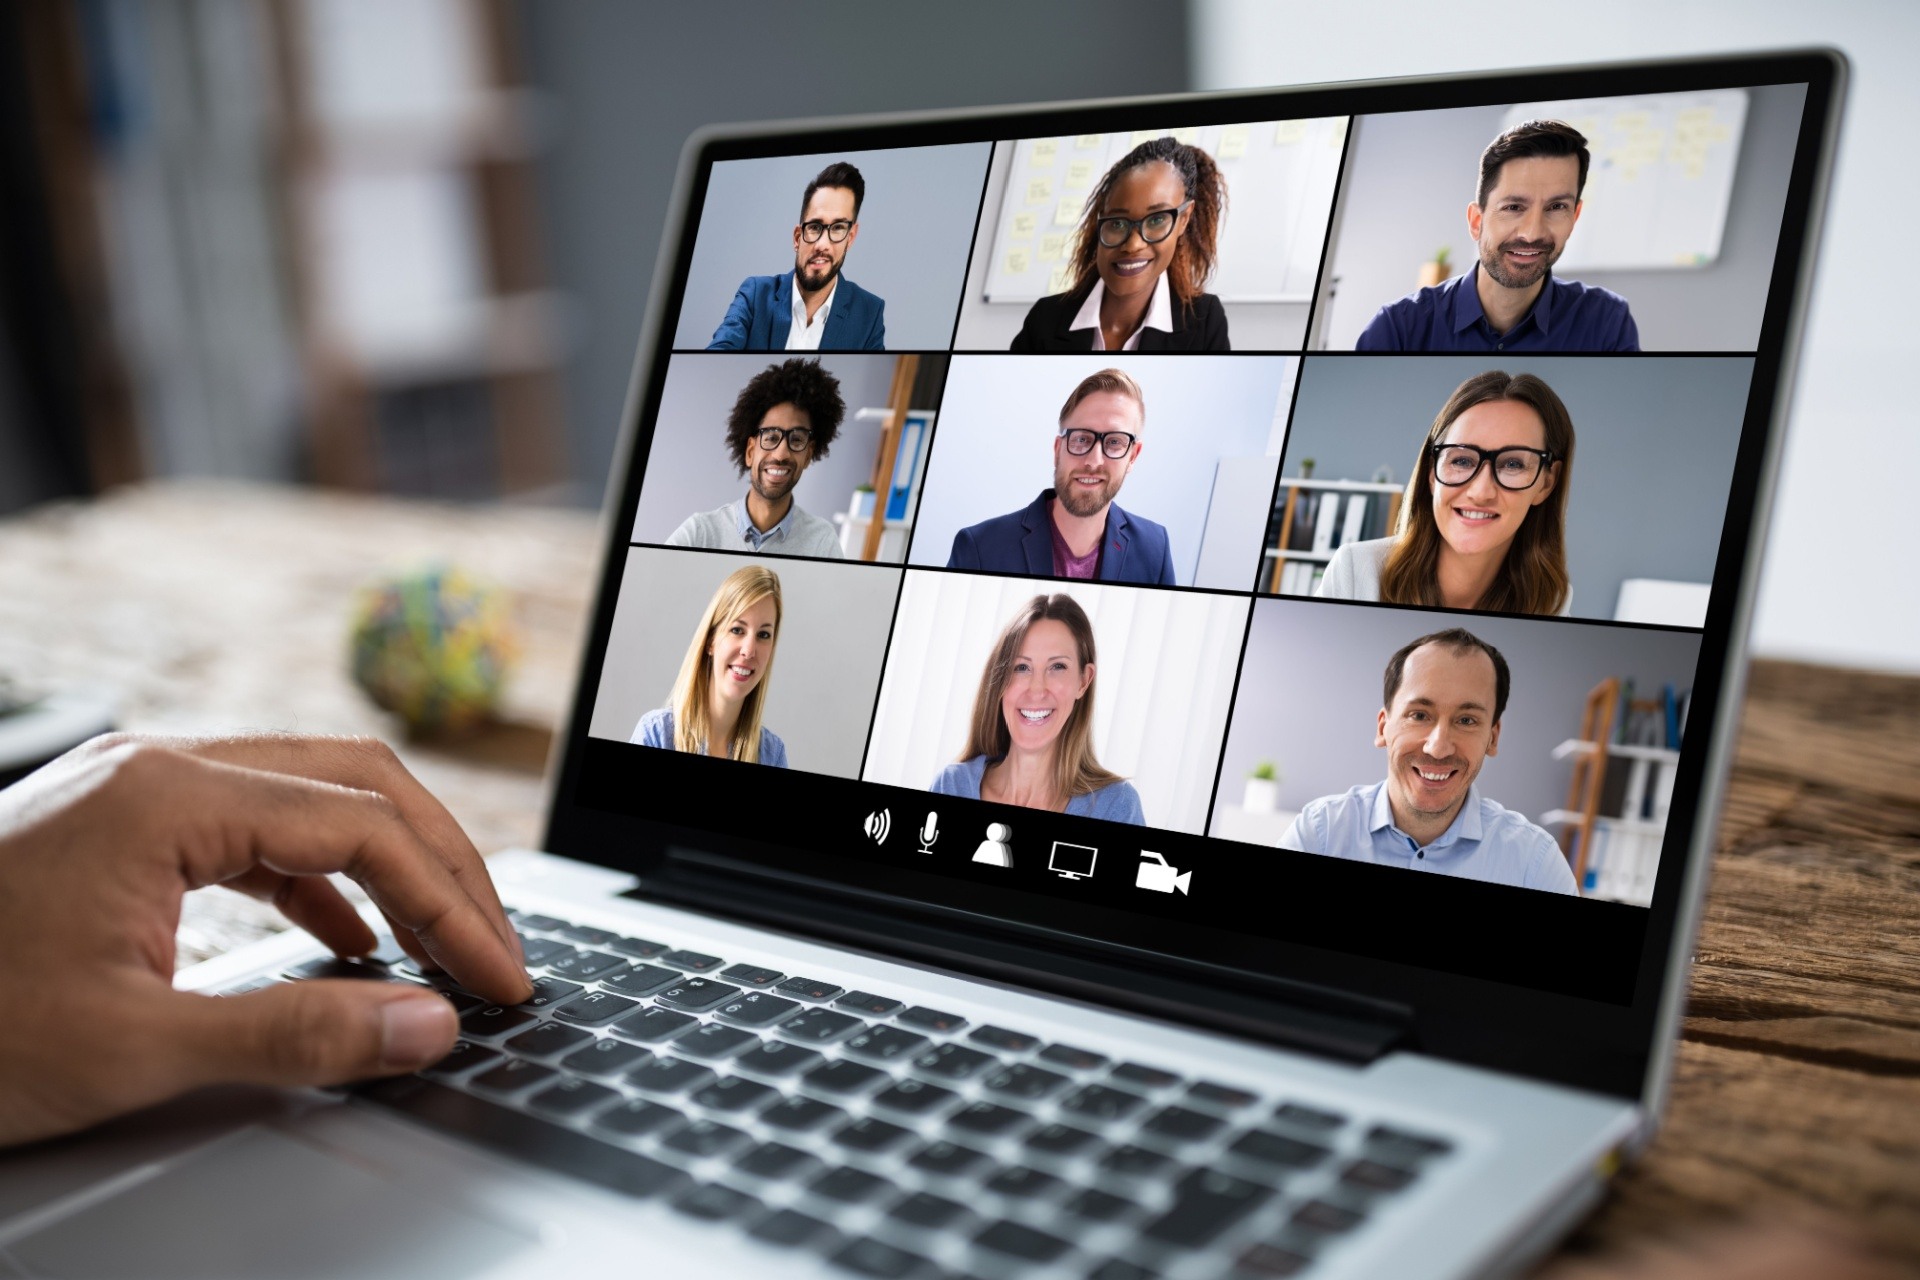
{"x":891,"y":1138}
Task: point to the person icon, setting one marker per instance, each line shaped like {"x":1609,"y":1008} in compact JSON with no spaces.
{"x":994,"y":850}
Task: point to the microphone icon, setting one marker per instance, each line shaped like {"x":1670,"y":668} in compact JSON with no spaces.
{"x":929,"y":831}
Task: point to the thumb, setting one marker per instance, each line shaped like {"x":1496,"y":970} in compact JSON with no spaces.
{"x":310,"y":1033}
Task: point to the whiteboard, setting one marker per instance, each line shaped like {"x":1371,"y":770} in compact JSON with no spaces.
{"x":1661,"y":178}
{"x":1279,"y":174}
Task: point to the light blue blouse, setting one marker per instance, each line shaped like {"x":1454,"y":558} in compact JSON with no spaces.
{"x":1115,"y":802}
{"x":656,"y":730}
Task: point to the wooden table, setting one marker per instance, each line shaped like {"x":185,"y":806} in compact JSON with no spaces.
{"x":1798,"y":1088}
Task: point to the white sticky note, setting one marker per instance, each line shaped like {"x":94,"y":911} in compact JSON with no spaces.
{"x":1066,"y":213}
{"x":1039,"y":191}
{"x":1024,"y":224}
{"x":1337,"y":135}
{"x":1044,"y":150}
{"x":1051,"y":247}
{"x":1289,"y":132}
{"x":1088,"y":141}
{"x":1017,"y":260}
{"x":1187,"y":136}
{"x":1059,"y":280}
{"x":1079,"y":174}
{"x":1233,"y":142}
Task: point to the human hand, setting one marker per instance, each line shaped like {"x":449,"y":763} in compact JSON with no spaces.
{"x":96,"y":851}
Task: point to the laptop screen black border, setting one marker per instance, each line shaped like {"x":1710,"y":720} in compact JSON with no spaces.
{"x":1599,"y":1041}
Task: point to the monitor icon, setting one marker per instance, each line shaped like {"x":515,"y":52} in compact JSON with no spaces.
{"x":1072,"y":861}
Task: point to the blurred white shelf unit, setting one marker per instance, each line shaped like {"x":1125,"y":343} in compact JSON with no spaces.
{"x":1328,"y":514}
{"x":1614,"y":855}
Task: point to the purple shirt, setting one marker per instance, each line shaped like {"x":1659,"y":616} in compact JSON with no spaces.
{"x":1567,"y":316}
{"x":1065,"y":563}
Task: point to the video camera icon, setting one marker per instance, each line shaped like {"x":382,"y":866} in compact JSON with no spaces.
{"x":1157,"y":875}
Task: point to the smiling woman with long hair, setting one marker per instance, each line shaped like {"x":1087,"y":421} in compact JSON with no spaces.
{"x":1146,"y":246}
{"x":1483,"y":522}
{"x":1030,"y":739}
{"x":721,"y":693}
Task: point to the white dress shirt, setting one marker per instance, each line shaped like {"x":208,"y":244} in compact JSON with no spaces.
{"x":802,"y":336}
{"x":1159,"y":314}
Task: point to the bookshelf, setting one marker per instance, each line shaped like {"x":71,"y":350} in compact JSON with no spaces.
{"x":1279,"y":555}
{"x":1614,"y":853}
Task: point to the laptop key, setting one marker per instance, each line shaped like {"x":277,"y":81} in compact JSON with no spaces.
{"x":702,"y":1138}
{"x":543,"y":924}
{"x":947,"y":1160}
{"x":714,"y":1203}
{"x":461,"y":1001}
{"x":585,"y":966}
{"x":1329,"y":1219}
{"x":1309,"y":1117}
{"x":1100,"y":1206}
{"x":1181,"y":1125}
{"x":529,"y":1138}
{"x":588,"y":934}
{"x":867,"y":1003}
{"x":635,"y":1118}
{"x":932,"y":1019}
{"x":1130,"y":1161}
{"x":547,"y":1040}
{"x":843,"y":1078}
{"x":1278,"y":1149}
{"x":548,"y":992}
{"x":808,"y":989}
{"x":791,"y":1227}
{"x":798,"y":1115}
{"x":637,"y":948}
{"x":643,"y":980}
{"x":558,"y":956}
{"x":1024,"y":1082}
{"x":819,"y":1026}
{"x":871,"y":1136}
{"x":540,"y":950}
{"x":1017,"y":1182}
{"x":1001,"y":1038}
{"x":1371,"y":1175}
{"x":885,"y":1044}
{"x":693,"y":961}
{"x":752,"y":975}
{"x":571,"y":1097}
{"x":335,"y":967}
{"x":493,"y":1020}
{"x":594,"y":1008}
{"x":954,"y":1062}
{"x":847,"y":1186}
{"x":512,"y":1076}
{"x":1272,"y":1260}
{"x":924,"y":1209}
{"x":604,"y":1058}
{"x":1098,"y":1102}
{"x":652,"y":1026}
{"x":1221,"y":1097}
{"x":1121,"y":1269}
{"x":732,"y":1094}
{"x":669,"y":1075}
{"x":913,"y":1098}
{"x":1144,"y":1076}
{"x":1205,"y":1205}
{"x":774,"y":1162}
{"x":464,"y":1056}
{"x":696,"y":995}
{"x":1020,"y":1241}
{"x":776,"y":1058}
{"x":1065,"y":1055}
{"x":712,"y":1042}
{"x":1408,"y":1146}
{"x":755,"y":1009}
{"x":877,"y":1259}
{"x":1061,"y":1140}
{"x":987,"y":1119}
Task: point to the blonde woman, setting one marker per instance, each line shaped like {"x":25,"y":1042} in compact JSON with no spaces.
{"x":1483,"y":523}
{"x":721,"y":693}
{"x":1030,"y":741}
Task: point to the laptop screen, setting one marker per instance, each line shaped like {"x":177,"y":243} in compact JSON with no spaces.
{"x":1297,"y":533}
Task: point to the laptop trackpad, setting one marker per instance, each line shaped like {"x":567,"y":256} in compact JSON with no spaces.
{"x":262,"y":1203}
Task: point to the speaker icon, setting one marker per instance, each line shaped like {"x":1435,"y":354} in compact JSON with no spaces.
{"x":878,"y":825}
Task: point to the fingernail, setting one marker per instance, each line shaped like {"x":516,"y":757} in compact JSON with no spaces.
{"x":415,"y":1031}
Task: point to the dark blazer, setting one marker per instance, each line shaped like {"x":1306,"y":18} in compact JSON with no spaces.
{"x":1022,"y":542}
{"x":1200,"y":325}
{"x":762,"y":313}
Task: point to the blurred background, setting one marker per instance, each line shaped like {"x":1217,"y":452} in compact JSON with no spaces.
{"x":405,"y":247}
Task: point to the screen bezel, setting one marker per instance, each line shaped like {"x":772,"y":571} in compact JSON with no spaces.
{"x":1600,"y":1045}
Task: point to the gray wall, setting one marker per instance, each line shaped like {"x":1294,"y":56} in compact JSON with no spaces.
{"x":990,"y":326}
{"x":835,"y":619}
{"x":1653,"y":458}
{"x":628,"y":82}
{"x":689,"y":468}
{"x":1310,"y":695}
{"x":911,"y":249}
{"x":993,"y":450}
{"x":1410,"y":178}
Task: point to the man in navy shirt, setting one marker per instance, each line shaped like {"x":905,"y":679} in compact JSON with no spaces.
{"x":1531,"y":178}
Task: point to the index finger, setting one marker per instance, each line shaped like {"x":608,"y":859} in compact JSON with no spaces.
{"x":229,"y":819}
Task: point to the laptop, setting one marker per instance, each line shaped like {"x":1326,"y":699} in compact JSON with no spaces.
{"x":1156,"y":706}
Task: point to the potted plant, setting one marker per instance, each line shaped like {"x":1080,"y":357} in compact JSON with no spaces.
{"x":862,"y":502}
{"x":1434,"y":271}
{"x":1263,"y":788}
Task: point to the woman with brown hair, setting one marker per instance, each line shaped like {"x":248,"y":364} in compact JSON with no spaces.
{"x":1030,"y":741}
{"x":1483,"y":522}
{"x":1141,"y":259}
{"x":717,"y":701}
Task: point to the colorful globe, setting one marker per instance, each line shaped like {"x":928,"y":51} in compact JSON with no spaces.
{"x":434,"y":647}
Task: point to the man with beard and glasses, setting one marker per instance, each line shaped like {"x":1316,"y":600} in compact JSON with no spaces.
{"x":1531,"y":178}
{"x":1439,"y":721}
{"x":784,"y":419}
{"x":813,"y":307}
{"x":1074,"y":530}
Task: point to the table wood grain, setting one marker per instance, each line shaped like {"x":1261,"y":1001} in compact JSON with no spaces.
{"x":215,"y":607}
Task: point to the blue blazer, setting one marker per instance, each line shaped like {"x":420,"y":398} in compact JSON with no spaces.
{"x":1022,"y":542}
{"x":762,"y":312}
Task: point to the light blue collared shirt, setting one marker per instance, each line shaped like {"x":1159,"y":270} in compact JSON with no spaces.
{"x":1485,"y":841}
{"x":1115,"y":802}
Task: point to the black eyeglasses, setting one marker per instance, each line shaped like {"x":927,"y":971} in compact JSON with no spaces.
{"x":1514,"y":467}
{"x":1153,"y":228}
{"x":799,"y":439}
{"x":1114,"y":444}
{"x":812,"y":230}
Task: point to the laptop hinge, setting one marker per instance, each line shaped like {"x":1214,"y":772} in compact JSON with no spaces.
{"x":1297,"y":1015}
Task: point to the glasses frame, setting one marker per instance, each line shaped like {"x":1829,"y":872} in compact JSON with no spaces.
{"x":846,"y":227}
{"x":1100,"y":438}
{"x":783,"y":435}
{"x":1547,"y":458}
{"x":1139,"y":225}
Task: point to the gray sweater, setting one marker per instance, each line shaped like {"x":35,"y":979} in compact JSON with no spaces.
{"x":798,"y":535}
{"x":1354,"y":573}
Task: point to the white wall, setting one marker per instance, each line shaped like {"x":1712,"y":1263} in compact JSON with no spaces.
{"x":1819,"y":600}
